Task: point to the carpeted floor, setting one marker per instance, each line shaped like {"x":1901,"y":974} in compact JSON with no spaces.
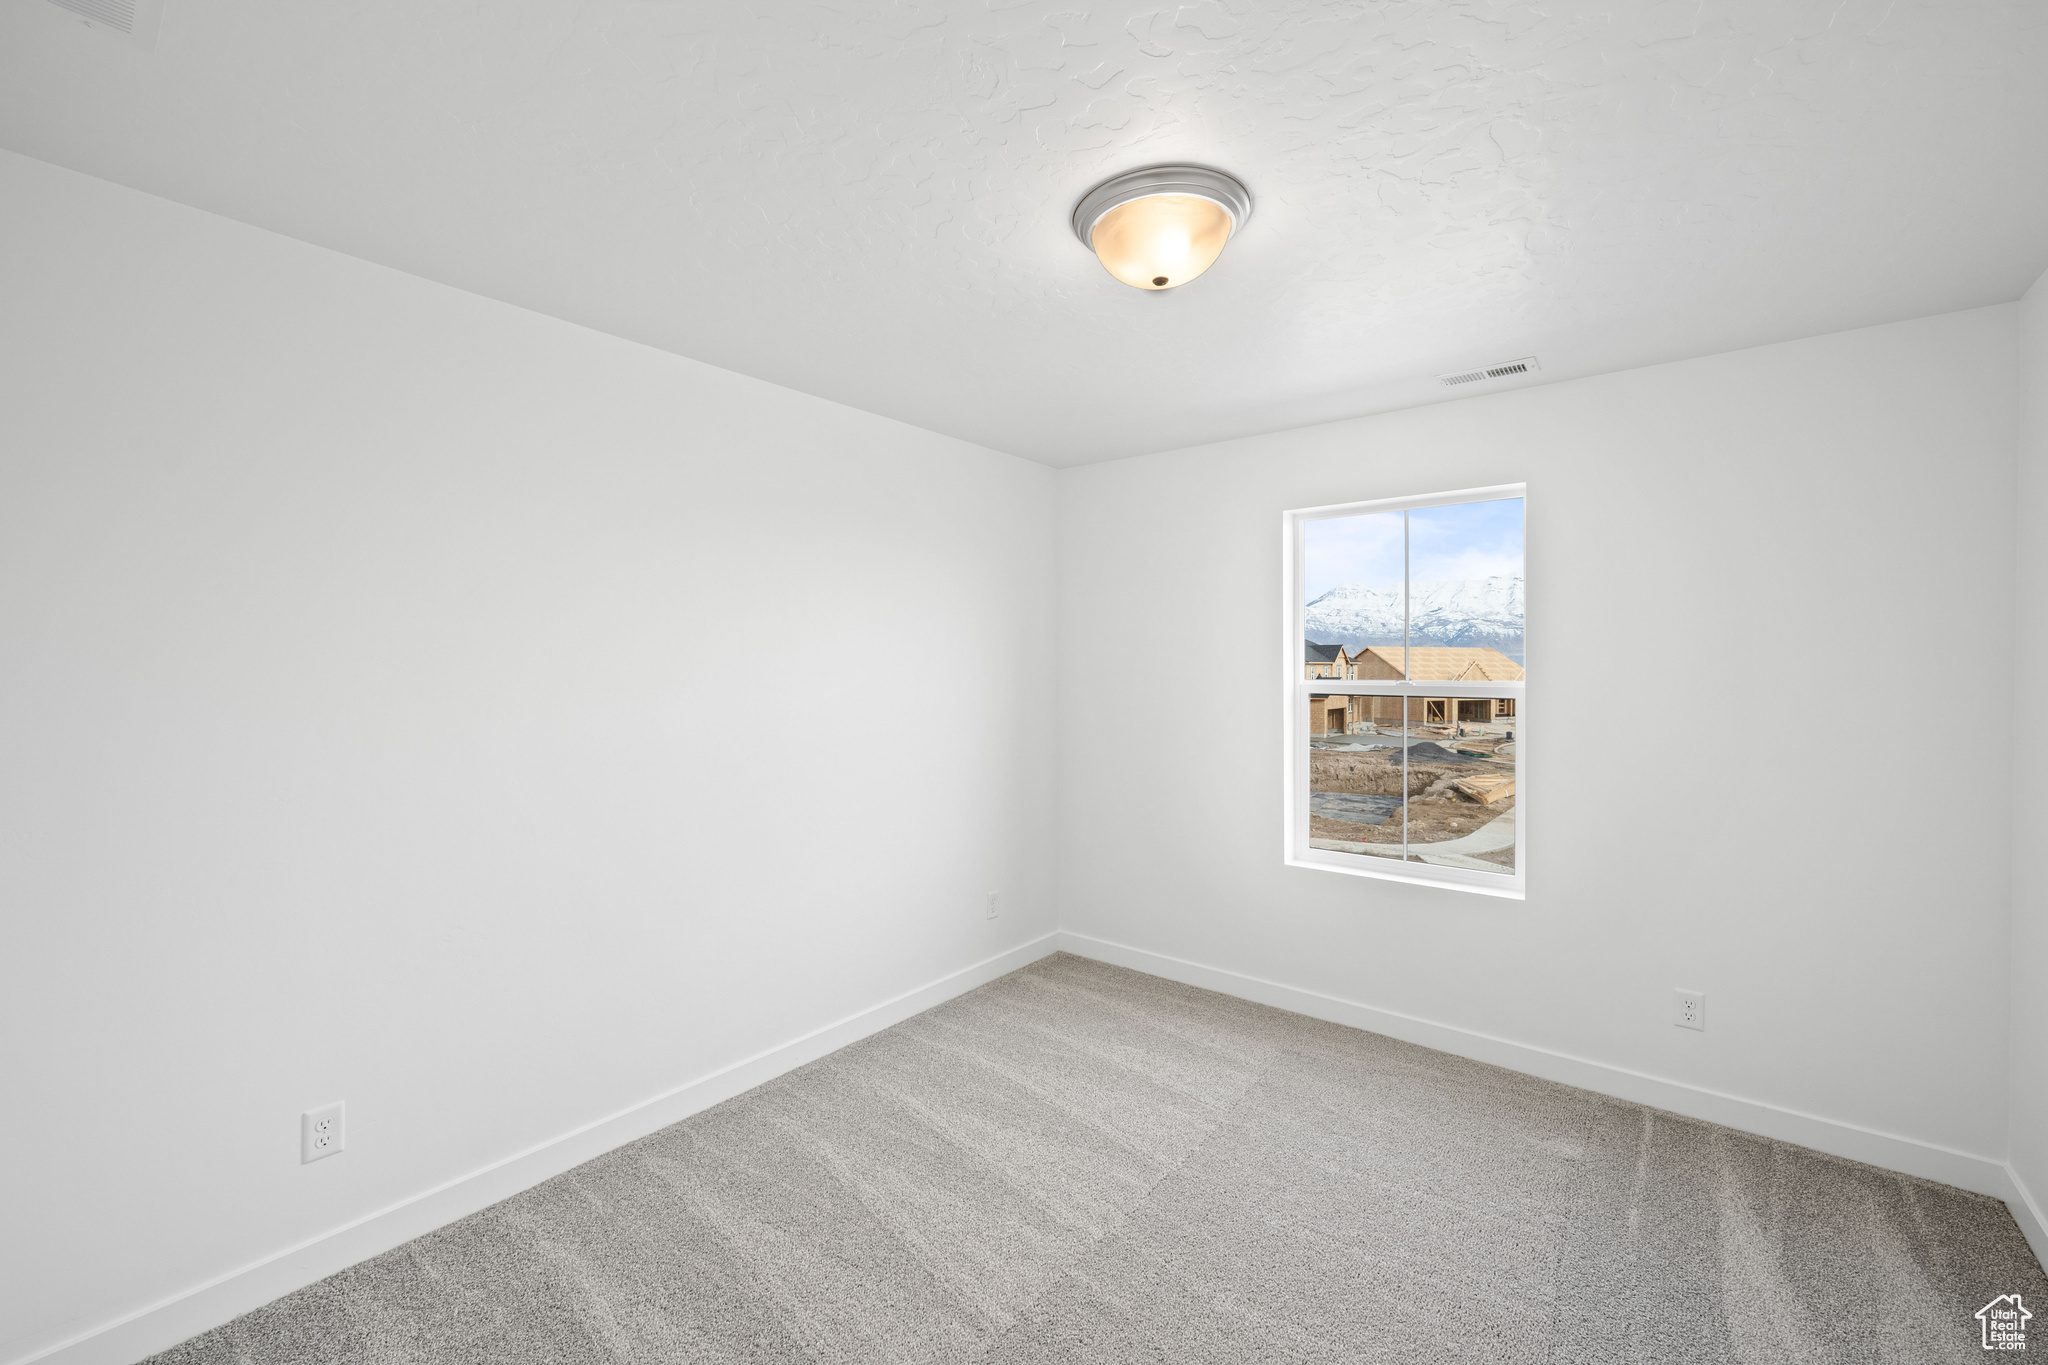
{"x":1081,"y":1163}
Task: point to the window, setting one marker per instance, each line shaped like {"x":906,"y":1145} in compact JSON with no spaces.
{"x":1404,"y":689}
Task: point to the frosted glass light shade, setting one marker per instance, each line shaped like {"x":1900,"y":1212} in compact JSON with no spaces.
{"x":1161,"y":240}
{"x":1161,"y":227}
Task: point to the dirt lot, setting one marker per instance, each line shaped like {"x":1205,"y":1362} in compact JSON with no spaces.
{"x":1435,"y":813}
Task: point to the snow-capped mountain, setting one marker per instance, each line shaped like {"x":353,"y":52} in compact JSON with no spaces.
{"x":1466,"y":611}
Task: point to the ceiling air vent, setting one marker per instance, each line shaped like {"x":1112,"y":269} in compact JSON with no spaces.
{"x":132,"y":19}
{"x":1499,"y":370}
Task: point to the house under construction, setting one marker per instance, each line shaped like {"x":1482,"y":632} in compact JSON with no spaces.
{"x":1421,"y":663}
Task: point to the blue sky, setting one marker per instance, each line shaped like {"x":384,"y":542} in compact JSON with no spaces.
{"x":1464,"y":540}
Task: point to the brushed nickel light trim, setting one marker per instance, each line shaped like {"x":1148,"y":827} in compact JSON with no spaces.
{"x":1169,"y":184}
{"x":1197,"y":180}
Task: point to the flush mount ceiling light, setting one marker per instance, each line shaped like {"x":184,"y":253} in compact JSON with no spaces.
{"x":1160,"y":227}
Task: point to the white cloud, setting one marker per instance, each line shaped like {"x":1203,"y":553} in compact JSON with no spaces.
{"x":1472,"y":563}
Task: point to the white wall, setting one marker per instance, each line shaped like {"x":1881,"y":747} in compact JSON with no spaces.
{"x":414,"y":701}
{"x":1774,"y":586}
{"x":2029,"y":1140}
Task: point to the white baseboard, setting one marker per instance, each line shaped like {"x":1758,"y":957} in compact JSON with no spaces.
{"x":163,"y":1324}
{"x":157,"y":1326}
{"x":1929,"y":1161}
{"x":2027,"y":1214}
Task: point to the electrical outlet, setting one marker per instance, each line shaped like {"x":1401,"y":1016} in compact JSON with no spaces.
{"x":322,"y":1132}
{"x":1689,"y":1010}
{"x":992,"y":898}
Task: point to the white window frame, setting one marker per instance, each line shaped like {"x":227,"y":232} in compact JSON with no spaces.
{"x":1297,"y":689}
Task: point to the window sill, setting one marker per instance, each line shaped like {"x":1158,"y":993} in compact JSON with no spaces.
{"x":1450,"y":879}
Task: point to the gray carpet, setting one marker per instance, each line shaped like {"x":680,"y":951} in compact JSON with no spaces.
{"x":1081,"y":1163}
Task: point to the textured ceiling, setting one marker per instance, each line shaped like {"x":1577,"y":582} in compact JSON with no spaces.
{"x":868,"y":200}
